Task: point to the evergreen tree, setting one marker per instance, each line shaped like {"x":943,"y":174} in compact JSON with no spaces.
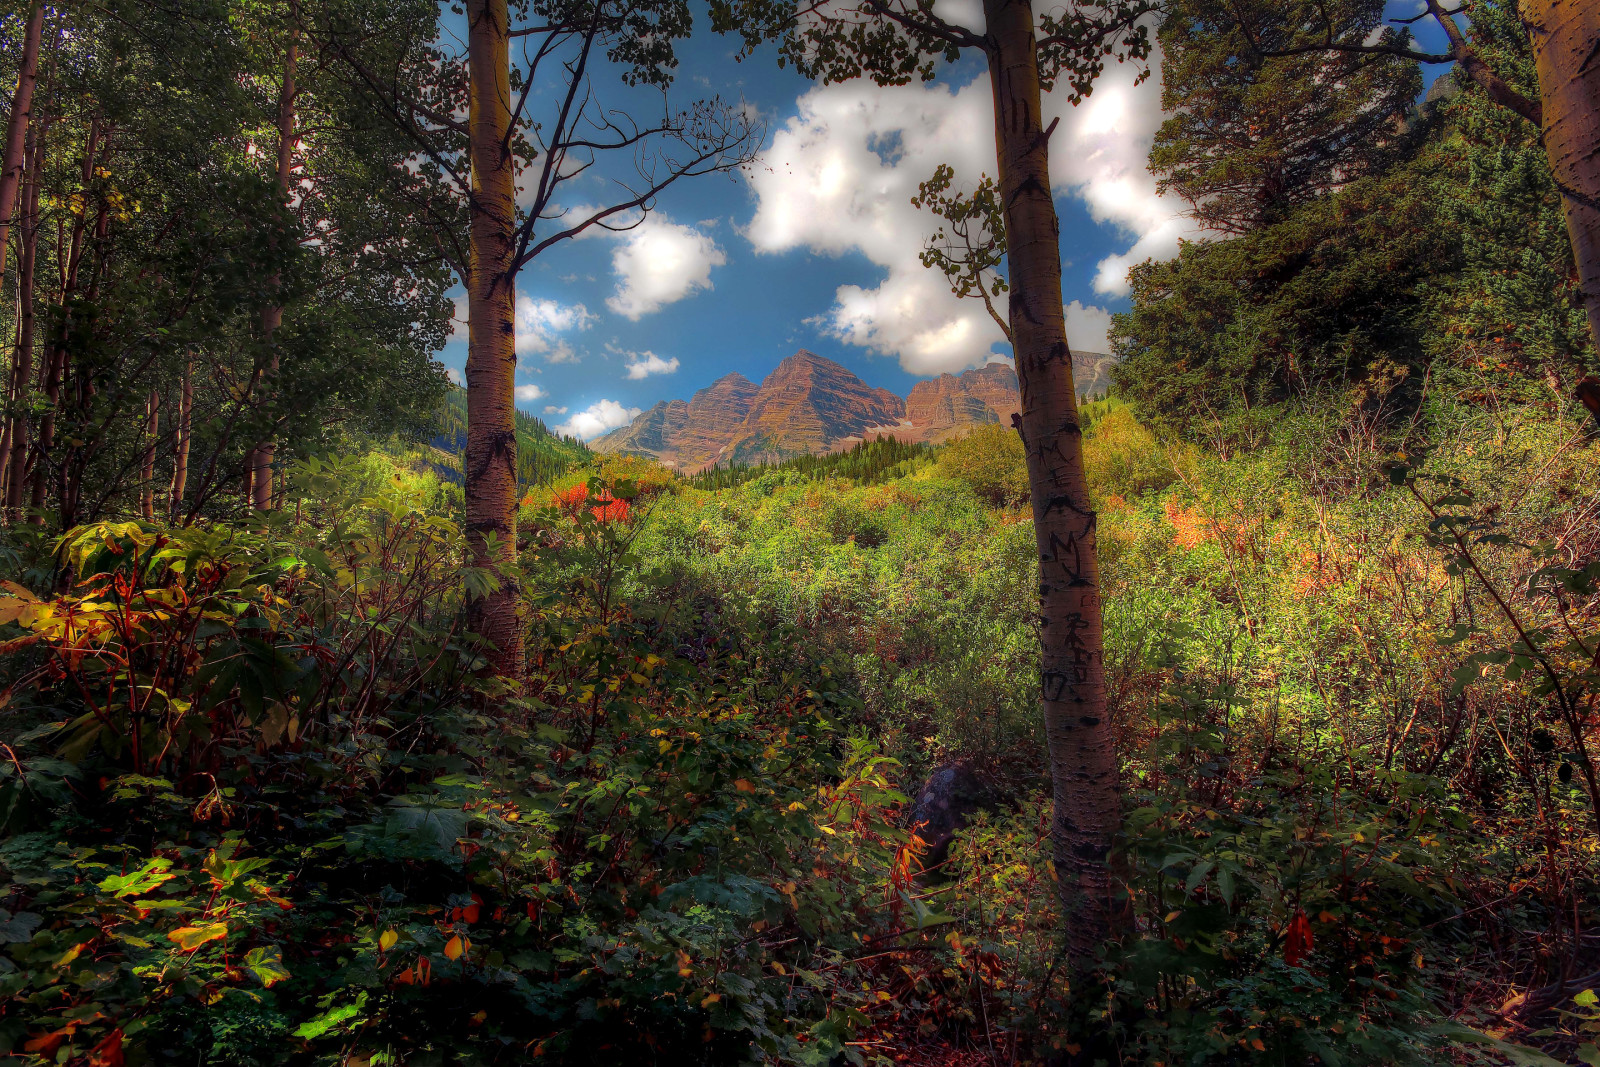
{"x":1250,"y":139}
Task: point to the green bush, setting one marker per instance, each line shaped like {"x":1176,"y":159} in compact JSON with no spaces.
{"x":989,"y":459}
{"x":261,"y":808}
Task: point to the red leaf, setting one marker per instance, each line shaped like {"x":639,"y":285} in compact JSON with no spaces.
{"x":1297,"y":939}
{"x":108,"y":1053}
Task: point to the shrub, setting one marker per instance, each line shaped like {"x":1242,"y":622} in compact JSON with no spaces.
{"x":1123,"y":458}
{"x":990,"y":460}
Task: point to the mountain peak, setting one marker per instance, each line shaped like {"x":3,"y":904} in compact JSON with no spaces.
{"x":811,"y":405}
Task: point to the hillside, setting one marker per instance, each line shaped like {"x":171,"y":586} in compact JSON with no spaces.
{"x":542,"y":455}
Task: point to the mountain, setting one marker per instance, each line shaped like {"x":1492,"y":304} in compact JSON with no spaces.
{"x":806,"y":406}
{"x":810,"y":405}
{"x":715,"y":415}
{"x":946,"y":406}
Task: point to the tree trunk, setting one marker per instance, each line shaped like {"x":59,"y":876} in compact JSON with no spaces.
{"x":26,"y":261}
{"x":490,"y":475}
{"x":68,"y":262}
{"x":17,"y":125}
{"x":147,"y":469}
{"x":1083,"y":758}
{"x":1566,"y":52}
{"x":272,"y":317}
{"x":180,"y":456}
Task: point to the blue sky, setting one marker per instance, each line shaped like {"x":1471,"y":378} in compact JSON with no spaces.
{"x":815,"y":245}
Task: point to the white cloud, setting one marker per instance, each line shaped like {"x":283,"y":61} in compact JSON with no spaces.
{"x":1100,"y":154}
{"x":596,"y":419}
{"x":659,"y":262}
{"x":528,"y":392}
{"x":644,"y":364}
{"x":455,"y":376}
{"x":1087,"y":327}
{"x":839,"y":178}
{"x":551,"y":409}
{"x":540,"y":324}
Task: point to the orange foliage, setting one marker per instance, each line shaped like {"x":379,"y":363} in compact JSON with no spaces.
{"x":607,"y":509}
{"x":1191,"y":524}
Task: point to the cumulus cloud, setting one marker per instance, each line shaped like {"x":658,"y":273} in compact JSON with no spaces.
{"x":1099,"y":154}
{"x":659,"y":262}
{"x":455,"y":376}
{"x":551,"y":409}
{"x":528,"y":392}
{"x":840,"y":176}
{"x":596,"y":419}
{"x":541,"y":325}
{"x":1087,"y":327}
{"x":644,"y":364}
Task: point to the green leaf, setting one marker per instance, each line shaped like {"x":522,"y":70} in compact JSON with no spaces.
{"x":266,"y":964}
{"x":19,"y":928}
{"x":189,"y":938}
{"x":140,"y":882}
{"x":331,"y":1019}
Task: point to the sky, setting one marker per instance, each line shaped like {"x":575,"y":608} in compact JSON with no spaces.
{"x":815,"y":245}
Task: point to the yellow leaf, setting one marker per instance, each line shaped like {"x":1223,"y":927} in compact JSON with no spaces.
{"x":829,"y":830}
{"x":711,"y":998}
{"x":387,"y":940}
{"x":1172,"y":915}
{"x":1255,"y":1043}
{"x":190,"y":938}
{"x":743,"y":785}
{"x":456,"y":947}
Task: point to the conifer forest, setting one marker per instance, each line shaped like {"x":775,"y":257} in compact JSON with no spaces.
{"x":375,"y":694}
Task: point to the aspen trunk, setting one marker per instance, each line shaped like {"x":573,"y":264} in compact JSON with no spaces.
{"x":18,"y":459}
{"x":272,"y":317}
{"x":180,"y":456}
{"x":490,"y":475}
{"x":1083,"y":758}
{"x":17,"y":125}
{"x":1566,"y":52}
{"x":147,"y":469}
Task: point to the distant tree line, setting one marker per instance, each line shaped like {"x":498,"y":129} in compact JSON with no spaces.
{"x":880,"y":460}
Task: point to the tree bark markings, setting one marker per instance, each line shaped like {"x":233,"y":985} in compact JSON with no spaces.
{"x":1566,"y":52}
{"x":491,"y":460}
{"x":1083,"y":758}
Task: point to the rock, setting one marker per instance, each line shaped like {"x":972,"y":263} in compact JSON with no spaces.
{"x":715,"y":415}
{"x":807,"y":406}
{"x":653,"y":433}
{"x":943,"y":804}
{"x":945,"y":407}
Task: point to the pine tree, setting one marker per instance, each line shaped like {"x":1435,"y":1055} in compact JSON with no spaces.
{"x":1250,"y":139}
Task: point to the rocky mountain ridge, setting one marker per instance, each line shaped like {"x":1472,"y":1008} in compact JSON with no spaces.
{"x":810,"y":405}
